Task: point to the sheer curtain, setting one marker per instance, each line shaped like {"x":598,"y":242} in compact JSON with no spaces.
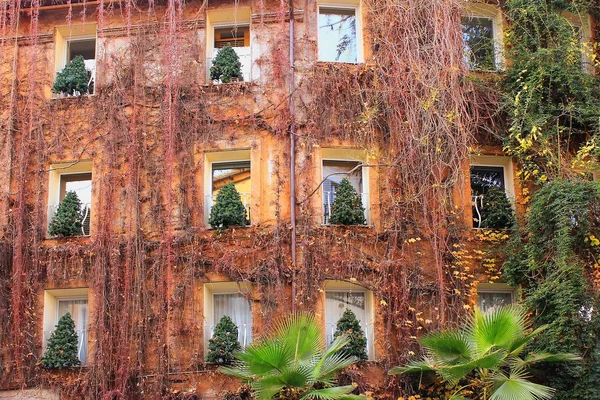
{"x":335,"y":305}
{"x":79,"y":312}
{"x":490,"y":300}
{"x":237,"y":307}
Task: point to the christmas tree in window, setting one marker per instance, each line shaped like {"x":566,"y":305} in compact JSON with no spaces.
{"x":224,"y":343}
{"x":347,"y":208}
{"x":61,"y":351}
{"x":350,"y":325}
{"x":68,"y":218}
{"x":228,"y":209}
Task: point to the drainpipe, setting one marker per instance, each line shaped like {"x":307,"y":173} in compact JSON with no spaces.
{"x":292,"y":156}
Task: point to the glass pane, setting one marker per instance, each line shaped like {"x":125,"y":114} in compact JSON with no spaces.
{"x":478,"y":35}
{"x":237,"y":172}
{"x":236,"y":36}
{"x":82,"y":188}
{"x":85,"y":48}
{"x":79,"y":312}
{"x":483,"y":178}
{"x":237,"y":307}
{"x":337,"y":35}
{"x":489,"y":300}
{"x":337,"y":302}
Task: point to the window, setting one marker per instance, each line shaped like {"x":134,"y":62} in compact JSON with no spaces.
{"x":229,"y":26}
{"x":340,"y":296}
{"x":488,"y":172}
{"x":229,"y":167}
{"x":340,"y":38}
{"x":76,"y":41}
{"x":337,"y":165}
{"x":231,"y":299}
{"x":490,"y":296}
{"x":482,"y":35}
{"x":58,"y":302}
{"x":582,"y":31}
{"x":71,"y":178}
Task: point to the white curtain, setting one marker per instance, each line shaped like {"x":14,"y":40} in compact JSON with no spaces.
{"x":237,"y":307}
{"x":79,"y":312}
{"x":489,"y":301}
{"x":335,"y":305}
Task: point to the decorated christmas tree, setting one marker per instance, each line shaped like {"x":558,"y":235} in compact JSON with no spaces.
{"x":350,"y":325}
{"x":68,"y":217}
{"x":61,"y":351}
{"x":347,"y":208}
{"x":228,"y":209}
{"x":496,"y":210}
{"x":226,"y":65}
{"x":73,"y":78}
{"x":224,"y":343}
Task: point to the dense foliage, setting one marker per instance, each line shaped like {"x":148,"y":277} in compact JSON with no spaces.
{"x":347,"y":208}
{"x":554,"y":257}
{"x":67,"y":220}
{"x":490,"y":353}
{"x":552,"y":99}
{"x":350,"y":325}
{"x":226,"y":65}
{"x":73,"y":79}
{"x":228,"y":209}
{"x":61,"y":350}
{"x":291,"y":363}
{"x":496,"y":210}
{"x":224,"y":343}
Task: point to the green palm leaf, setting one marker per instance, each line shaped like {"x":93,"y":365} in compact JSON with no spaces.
{"x":497,"y":328}
{"x":333,"y":393}
{"x":517,"y":387}
{"x":415,"y":367}
{"x":448,"y":346}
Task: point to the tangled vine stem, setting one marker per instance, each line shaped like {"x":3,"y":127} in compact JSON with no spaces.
{"x":409,"y":107}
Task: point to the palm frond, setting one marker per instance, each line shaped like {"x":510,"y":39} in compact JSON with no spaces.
{"x":300,"y":334}
{"x":519,"y":343}
{"x":267,"y":387}
{"x":516,"y":387}
{"x":265,"y":357}
{"x":448,"y":346}
{"x":533,"y":358}
{"x":454,"y":373}
{"x":332,"y":364}
{"x":333,"y":393}
{"x":497,"y":328}
{"x":414,"y":367}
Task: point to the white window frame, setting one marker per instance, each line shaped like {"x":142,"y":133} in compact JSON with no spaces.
{"x":345,"y":5}
{"x":495,"y":161}
{"x":352,"y":155}
{"x":225,"y":157}
{"x":66,"y":34}
{"x":231,"y":17}
{"x":584,"y":24}
{"x":54,"y":186}
{"x":215,"y":288}
{"x":368,"y":326}
{"x":500,"y":288}
{"x":493,"y":13}
{"x":52,"y":297}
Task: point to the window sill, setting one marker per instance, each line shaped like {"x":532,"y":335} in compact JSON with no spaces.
{"x":56,"y":97}
{"x":66,"y":239}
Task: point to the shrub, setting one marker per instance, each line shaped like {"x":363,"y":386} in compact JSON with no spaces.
{"x":496,"y":212}
{"x":347,"y":208}
{"x":73,"y":78}
{"x":61,"y":351}
{"x":228,"y":209}
{"x":68,"y":218}
{"x":350,"y":325}
{"x":226,"y":65}
{"x":224,"y":343}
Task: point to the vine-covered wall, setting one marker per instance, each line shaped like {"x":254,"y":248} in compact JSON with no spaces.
{"x":147,"y":131}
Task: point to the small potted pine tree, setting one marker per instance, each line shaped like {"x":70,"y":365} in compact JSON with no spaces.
{"x":228,"y":209}
{"x":350,"y":325}
{"x":226,"y":65}
{"x":224,"y":343}
{"x":61,"y":351}
{"x":347,"y":208}
{"x":68,"y":218}
{"x":73,"y":79}
{"x":496,"y":210}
